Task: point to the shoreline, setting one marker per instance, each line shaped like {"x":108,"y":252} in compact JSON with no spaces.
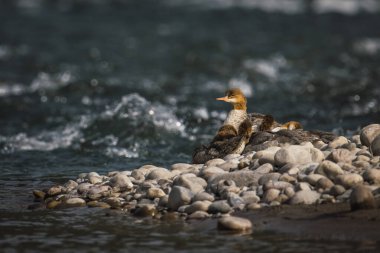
{"x":310,"y":189}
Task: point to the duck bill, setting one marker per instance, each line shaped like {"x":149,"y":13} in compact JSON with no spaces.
{"x":225,"y":99}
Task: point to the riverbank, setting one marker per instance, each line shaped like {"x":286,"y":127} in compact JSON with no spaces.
{"x":303,"y":189}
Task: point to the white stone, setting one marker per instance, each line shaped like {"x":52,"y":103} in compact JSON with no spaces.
{"x":234,"y":223}
{"x":305,"y":197}
{"x":349,"y":180}
{"x":179,"y":196}
{"x":369,"y":133}
{"x":329,"y":169}
{"x":122,"y":181}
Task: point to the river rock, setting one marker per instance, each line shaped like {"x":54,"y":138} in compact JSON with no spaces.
{"x":121,"y":181}
{"x":208,"y":172}
{"x":179,"y":196}
{"x":214,"y":162}
{"x":269,"y":177}
{"x":114,"y":202}
{"x":294,"y":154}
{"x":305,"y":197}
{"x":181,"y":166}
{"x":98,"y":204}
{"x":267,"y":155}
{"x":145,"y":210}
{"x":329,"y":169}
{"x":369,"y":133}
{"x":70,"y":185}
{"x":94,"y":179}
{"x":341,"y":155}
{"x":153,"y":193}
{"x":192,"y":182}
{"x":324,"y":183}
{"x":349,"y":180}
{"x":312,"y":178}
{"x":362,"y":198}
{"x":96,"y":192}
{"x":198,"y":206}
{"x":337,"y":190}
{"x":201,"y":196}
{"x":84,"y":187}
{"x":375,"y":146}
{"x":53,"y":204}
{"x":55,"y":190}
{"x":372,"y":176}
{"x":338,"y":142}
{"x":234,"y":223}
{"x":250,"y":197}
{"x":39,"y":194}
{"x":160,"y":173}
{"x":241,"y":178}
{"x":265,"y":168}
{"x":235,"y":201}
{"x":74,"y":202}
{"x":279,"y":185}
{"x":303,"y":186}
{"x":220,"y":206}
{"x":271,"y":195}
{"x":198,"y":215}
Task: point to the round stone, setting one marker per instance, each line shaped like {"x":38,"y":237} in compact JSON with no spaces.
{"x":324,"y":183}
{"x":220,"y":206}
{"x":55,"y":190}
{"x":39,"y":194}
{"x":337,"y":190}
{"x":192,"y":182}
{"x":375,"y":146}
{"x":214,"y":162}
{"x":198,"y":206}
{"x":271,"y":195}
{"x":208,"y":172}
{"x":349,"y":180}
{"x":342,"y":155}
{"x":145,"y":210}
{"x":329,"y":169}
{"x":160,"y":173}
{"x":372,"y":176}
{"x":179,"y":196}
{"x":338,"y":142}
{"x":294,"y":154}
{"x":198,"y":215}
{"x":75,"y":202}
{"x":153,"y":193}
{"x":369,"y":133}
{"x":200,"y":196}
{"x":121,"y":181}
{"x":305,"y":197}
{"x":362,"y":198}
{"x":234,"y":223}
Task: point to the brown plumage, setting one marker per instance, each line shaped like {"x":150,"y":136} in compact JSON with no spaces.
{"x":237,"y":130}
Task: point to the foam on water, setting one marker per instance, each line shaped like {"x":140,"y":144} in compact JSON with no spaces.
{"x":124,"y":126}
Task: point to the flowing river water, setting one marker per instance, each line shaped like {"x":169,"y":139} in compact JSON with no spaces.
{"x":108,"y":85}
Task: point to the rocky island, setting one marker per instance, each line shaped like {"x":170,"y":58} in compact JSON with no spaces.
{"x":278,"y":181}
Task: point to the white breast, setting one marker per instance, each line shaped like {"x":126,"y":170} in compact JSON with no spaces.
{"x":235,"y":118}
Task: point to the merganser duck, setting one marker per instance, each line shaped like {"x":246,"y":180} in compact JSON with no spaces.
{"x":234,"y":134}
{"x":259,"y":122}
{"x":237,"y":129}
{"x":242,"y":132}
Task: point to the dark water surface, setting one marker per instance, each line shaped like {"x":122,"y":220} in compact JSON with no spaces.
{"x":111,"y":85}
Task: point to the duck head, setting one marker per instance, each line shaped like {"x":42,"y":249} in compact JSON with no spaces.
{"x":235,"y":97}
